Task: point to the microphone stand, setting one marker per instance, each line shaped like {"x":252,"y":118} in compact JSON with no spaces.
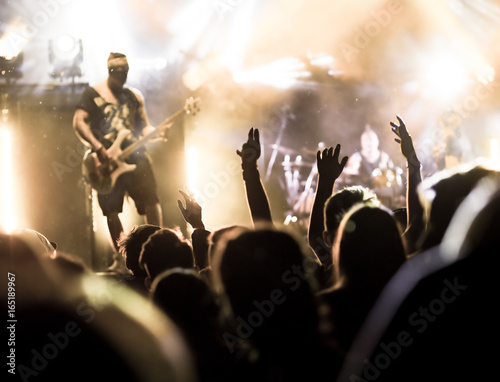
{"x":285,"y":113}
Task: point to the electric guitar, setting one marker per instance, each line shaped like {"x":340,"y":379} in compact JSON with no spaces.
{"x":102,"y":176}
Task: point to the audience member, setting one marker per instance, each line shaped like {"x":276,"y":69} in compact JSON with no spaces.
{"x":165,"y":249}
{"x":199,"y":237}
{"x":193,"y":306}
{"x":329,"y":169}
{"x":256,"y":195}
{"x":367,"y":251}
{"x":70,"y":324}
{"x":130,"y":247}
{"x":264,"y":275}
{"x":442,"y":193}
{"x":414,"y":226}
{"x":336,"y":206}
{"x":435,"y":316}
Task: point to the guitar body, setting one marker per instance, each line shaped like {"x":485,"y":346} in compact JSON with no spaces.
{"x":102,"y":176}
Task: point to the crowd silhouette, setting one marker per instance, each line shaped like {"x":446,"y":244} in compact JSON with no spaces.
{"x":369,"y":293}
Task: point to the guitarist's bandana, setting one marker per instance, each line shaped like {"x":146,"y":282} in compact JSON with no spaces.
{"x":118,"y":62}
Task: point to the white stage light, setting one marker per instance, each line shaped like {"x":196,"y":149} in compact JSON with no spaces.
{"x":8,"y":217}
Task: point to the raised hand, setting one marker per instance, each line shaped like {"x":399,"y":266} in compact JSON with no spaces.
{"x":192,"y":212}
{"x":404,"y":139}
{"x":250,"y":151}
{"x":328,"y":163}
{"x":414,"y":221}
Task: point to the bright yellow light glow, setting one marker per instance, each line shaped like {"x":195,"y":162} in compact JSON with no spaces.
{"x":192,"y":170}
{"x":95,"y":211}
{"x":8,"y":218}
{"x":10,"y":44}
{"x":444,"y":77}
{"x":66,"y":47}
{"x":283,"y":73}
{"x":233,"y":56}
{"x":494,"y":153}
{"x":189,"y":24}
{"x":5,"y":49}
{"x":485,"y":74}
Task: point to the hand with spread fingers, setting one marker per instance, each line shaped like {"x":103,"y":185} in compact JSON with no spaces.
{"x":405,"y":140}
{"x":329,"y":169}
{"x":328,"y":162}
{"x":192,"y":211}
{"x":414,"y":221}
{"x":250,"y":151}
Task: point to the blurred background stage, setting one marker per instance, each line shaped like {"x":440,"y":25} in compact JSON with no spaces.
{"x":308,"y":74}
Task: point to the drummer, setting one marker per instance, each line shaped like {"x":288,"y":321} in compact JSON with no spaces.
{"x":368,"y":163}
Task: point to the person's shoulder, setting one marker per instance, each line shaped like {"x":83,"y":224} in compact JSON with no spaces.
{"x":98,"y":85}
{"x":135,"y":91}
{"x":95,"y":88}
{"x":86,"y":98}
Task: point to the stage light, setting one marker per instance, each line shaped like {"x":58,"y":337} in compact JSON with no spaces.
{"x":10,"y":66}
{"x":444,"y":78}
{"x":11,"y":58}
{"x":283,"y":73}
{"x":66,"y":57}
{"x":291,"y":71}
{"x":8,"y":220}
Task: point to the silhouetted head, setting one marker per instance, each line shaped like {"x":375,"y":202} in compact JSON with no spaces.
{"x":474,"y":226}
{"x":36,"y":240}
{"x":339,"y":204}
{"x":222,"y":234}
{"x":130,"y":246}
{"x":368,"y":248}
{"x":186,"y":298}
{"x":165,"y":249}
{"x":267,"y":266}
{"x":442,"y":193}
{"x":28,"y":254}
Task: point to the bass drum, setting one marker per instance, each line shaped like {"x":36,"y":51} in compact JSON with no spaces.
{"x":388,"y":186}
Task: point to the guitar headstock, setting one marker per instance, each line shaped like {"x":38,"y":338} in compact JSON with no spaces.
{"x":192,"y":105}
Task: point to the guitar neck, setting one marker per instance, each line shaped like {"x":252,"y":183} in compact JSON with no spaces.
{"x":154,"y":134}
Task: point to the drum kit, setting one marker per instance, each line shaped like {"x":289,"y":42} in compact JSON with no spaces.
{"x":300,"y":179}
{"x":301,"y":173}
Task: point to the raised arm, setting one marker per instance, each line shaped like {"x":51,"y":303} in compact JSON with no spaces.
{"x":329,"y":169}
{"x":256,"y":194}
{"x":415,"y":218}
{"x":191,"y":213}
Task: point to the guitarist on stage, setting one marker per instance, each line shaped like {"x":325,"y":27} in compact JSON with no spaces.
{"x":104,"y":110}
